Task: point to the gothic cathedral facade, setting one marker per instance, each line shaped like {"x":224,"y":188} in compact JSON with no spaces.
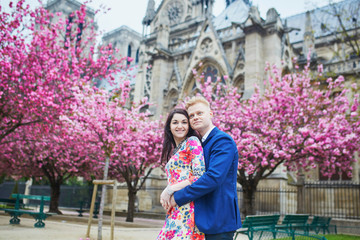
{"x":182,"y":35}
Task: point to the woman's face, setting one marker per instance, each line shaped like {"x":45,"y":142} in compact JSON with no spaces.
{"x":179,"y":127}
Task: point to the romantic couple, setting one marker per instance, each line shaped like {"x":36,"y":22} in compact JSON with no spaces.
{"x":202,"y":161}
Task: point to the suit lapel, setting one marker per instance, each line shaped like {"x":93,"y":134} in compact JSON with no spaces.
{"x":212,"y":133}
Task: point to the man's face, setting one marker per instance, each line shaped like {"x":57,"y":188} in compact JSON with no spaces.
{"x":200,"y":117}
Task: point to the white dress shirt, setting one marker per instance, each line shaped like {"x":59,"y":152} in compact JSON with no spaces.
{"x":207,"y":134}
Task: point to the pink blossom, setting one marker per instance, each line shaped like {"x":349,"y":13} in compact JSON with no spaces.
{"x":292,"y":122}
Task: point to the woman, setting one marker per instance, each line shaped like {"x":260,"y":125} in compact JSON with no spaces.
{"x":185,"y":164}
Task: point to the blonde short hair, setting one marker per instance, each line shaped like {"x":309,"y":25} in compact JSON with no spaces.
{"x":196,"y":99}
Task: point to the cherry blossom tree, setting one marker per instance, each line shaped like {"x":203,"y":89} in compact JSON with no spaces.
{"x":38,"y":66}
{"x":54,"y":123}
{"x":299,"y":121}
{"x":40,"y":71}
{"x":126,"y":138}
{"x":53,"y":152}
{"x":137,"y":156}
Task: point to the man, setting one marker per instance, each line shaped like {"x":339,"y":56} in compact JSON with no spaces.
{"x":214,"y":193}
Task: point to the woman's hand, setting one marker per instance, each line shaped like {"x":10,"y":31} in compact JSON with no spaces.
{"x":165,"y":197}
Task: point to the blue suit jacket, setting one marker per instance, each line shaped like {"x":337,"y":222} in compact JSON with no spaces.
{"x":214,"y":193}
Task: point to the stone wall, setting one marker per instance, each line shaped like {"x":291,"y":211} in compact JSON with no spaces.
{"x":143,"y":203}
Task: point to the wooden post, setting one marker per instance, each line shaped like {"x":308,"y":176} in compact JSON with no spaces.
{"x":113,"y":209}
{"x":91,"y":210}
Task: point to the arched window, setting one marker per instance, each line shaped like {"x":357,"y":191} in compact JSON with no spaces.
{"x":239,"y":83}
{"x":208,"y":69}
{"x":212,"y":72}
{"x":69,"y":23}
{"x":137,"y":56}
{"x":78,"y":36}
{"x":129,"y":54}
{"x":285,"y":71}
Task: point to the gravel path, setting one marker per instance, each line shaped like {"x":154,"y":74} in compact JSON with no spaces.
{"x":71,"y":227}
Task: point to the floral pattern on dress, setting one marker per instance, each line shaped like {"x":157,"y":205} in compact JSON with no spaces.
{"x":186,"y":163}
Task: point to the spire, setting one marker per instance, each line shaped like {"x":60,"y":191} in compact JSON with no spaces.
{"x":207,"y":6}
{"x":150,"y":13}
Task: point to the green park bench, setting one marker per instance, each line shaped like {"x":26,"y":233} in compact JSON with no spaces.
{"x":294,"y":223}
{"x":321,"y":223}
{"x":257,"y":225}
{"x":265,"y":227}
{"x":18,"y":211}
{"x":83,"y":208}
{"x":6,"y":203}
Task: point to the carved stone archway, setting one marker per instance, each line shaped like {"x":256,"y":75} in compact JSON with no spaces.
{"x":209,"y":68}
{"x":171,"y":100}
{"x":239,"y":83}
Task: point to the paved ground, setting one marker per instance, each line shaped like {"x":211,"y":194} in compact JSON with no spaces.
{"x":71,"y":227}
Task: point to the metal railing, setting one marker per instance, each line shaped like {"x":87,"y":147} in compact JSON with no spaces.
{"x":325,"y":198}
{"x":333,"y":199}
{"x":272,"y":201}
{"x":328,"y":198}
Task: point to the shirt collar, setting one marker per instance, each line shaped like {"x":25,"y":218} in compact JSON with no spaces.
{"x":207,"y":134}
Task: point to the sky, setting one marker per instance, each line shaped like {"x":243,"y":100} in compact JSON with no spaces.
{"x":131,"y":12}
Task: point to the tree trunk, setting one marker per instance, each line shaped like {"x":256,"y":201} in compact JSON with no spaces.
{"x":131,"y":205}
{"x":55,"y":196}
{"x":249,"y":183}
{"x":249,"y":191}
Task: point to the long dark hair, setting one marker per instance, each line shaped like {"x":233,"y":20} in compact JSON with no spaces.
{"x":169,"y":142}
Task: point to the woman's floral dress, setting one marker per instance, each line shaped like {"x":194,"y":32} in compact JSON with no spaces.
{"x":186,"y":163}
